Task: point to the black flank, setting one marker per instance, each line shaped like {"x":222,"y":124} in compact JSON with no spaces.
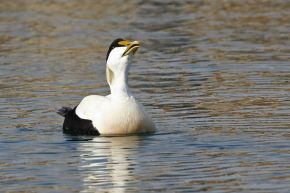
{"x":76,"y":126}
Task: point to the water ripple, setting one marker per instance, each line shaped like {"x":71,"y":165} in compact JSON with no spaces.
{"x":214,"y":75}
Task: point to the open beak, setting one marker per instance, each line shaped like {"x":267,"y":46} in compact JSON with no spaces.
{"x":132,"y":47}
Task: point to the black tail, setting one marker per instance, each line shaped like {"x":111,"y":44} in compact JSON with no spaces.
{"x":63,"y":111}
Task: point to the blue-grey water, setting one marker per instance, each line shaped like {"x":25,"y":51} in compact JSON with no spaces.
{"x":214,"y":76}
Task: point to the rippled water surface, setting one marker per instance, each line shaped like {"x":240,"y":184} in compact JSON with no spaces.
{"x":214,"y":75}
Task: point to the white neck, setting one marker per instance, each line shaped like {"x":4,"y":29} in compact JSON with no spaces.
{"x":117,"y":76}
{"x":119,"y":86}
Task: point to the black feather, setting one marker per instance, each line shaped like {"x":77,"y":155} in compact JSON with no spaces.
{"x":63,"y":111}
{"x":113,"y":45}
{"x":76,"y":126}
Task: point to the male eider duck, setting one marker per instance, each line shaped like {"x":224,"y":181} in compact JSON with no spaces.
{"x":116,"y":114}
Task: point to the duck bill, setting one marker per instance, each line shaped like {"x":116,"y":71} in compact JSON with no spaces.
{"x":132,"y":48}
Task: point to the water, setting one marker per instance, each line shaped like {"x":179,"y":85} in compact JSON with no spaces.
{"x":214,"y":75}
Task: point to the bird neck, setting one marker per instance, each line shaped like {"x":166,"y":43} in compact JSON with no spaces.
{"x":119,"y":87}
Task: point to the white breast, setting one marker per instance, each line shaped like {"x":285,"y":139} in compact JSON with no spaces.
{"x":115,"y":117}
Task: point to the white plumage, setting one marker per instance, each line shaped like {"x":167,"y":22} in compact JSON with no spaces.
{"x":118,"y":113}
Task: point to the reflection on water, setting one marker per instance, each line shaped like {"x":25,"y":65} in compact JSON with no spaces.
{"x":214,"y":75}
{"x":108,"y":161}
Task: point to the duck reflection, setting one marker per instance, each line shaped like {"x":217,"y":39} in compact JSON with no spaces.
{"x":107,"y":163}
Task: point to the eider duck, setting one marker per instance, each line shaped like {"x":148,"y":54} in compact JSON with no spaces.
{"x":116,"y":114}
